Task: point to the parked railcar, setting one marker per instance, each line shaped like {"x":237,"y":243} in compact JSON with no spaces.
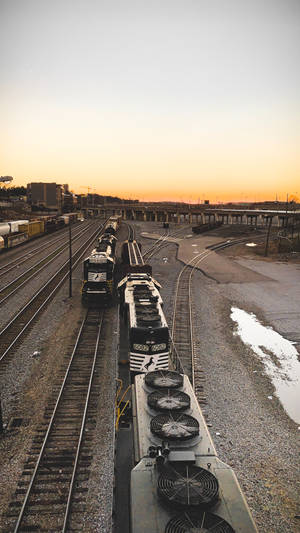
{"x":33,"y":228}
{"x":132,"y":259}
{"x":148,"y":333}
{"x":12,"y":226}
{"x":202,"y":228}
{"x":14,"y":239}
{"x":179,"y":484}
{"x":4,"y":228}
{"x":15,"y":232}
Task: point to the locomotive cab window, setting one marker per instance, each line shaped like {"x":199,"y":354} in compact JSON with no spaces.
{"x":145,"y":340}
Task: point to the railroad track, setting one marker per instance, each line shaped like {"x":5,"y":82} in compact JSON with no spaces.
{"x":182,"y":332}
{"x":51,"y":494}
{"x":11,"y":288}
{"x":13,"y":332}
{"x":44,"y":245}
{"x":162,"y":242}
{"x":158,"y":244}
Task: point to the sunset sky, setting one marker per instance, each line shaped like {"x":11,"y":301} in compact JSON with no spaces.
{"x":157,"y":100}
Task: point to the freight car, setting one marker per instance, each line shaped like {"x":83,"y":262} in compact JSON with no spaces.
{"x":15,"y":232}
{"x":148,"y":333}
{"x":34,"y":228}
{"x":202,"y":228}
{"x":13,"y":239}
{"x":179,"y":484}
{"x":11,"y":226}
{"x":132,"y":259}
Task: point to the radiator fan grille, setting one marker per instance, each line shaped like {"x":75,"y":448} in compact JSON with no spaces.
{"x":169,"y":400}
{"x":164,"y":379}
{"x":200,"y":522}
{"x":174,"y":426}
{"x":188,"y":485}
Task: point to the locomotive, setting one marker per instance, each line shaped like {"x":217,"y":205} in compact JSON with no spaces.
{"x":98,"y":268}
{"x":179,"y":484}
{"x":148,"y":333}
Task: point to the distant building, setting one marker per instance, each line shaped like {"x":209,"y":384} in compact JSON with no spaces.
{"x":45,"y":195}
{"x":69,"y":200}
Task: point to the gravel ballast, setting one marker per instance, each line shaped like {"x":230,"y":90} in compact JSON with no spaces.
{"x":251,"y":433}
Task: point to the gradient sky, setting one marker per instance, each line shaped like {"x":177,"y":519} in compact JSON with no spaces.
{"x":179,"y":100}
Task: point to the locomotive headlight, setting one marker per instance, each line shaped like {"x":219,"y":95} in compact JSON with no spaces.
{"x":159,"y":347}
{"x":141,"y":347}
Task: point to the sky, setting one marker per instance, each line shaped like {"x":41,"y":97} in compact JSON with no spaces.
{"x":157,"y":100}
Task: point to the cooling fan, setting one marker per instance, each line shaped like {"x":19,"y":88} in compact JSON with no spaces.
{"x":174,"y":426}
{"x":169,"y":400}
{"x":199,"y":522}
{"x":164,"y":379}
{"x":188,"y":485}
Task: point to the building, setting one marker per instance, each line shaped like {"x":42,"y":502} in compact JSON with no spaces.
{"x":69,"y":199}
{"x":45,"y":195}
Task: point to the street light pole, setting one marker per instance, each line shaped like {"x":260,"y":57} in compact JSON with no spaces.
{"x":70,"y":261}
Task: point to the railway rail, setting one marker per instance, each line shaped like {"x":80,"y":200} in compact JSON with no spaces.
{"x":12,"y":287}
{"x":17,"y":326}
{"x":20,"y":259}
{"x":52,"y":492}
{"x":182,"y":331}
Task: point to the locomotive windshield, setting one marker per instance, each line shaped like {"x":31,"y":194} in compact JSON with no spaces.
{"x":146,"y":340}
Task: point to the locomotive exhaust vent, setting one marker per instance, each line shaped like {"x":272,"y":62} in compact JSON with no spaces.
{"x":145,"y":307}
{"x":169,"y":400}
{"x":198,"y":522}
{"x":188,"y":485}
{"x":148,"y":320}
{"x":164,"y":379}
{"x":174,"y":426}
{"x":148,"y":314}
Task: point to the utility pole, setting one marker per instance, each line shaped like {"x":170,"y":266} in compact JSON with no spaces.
{"x":1,"y":419}
{"x":70,"y":261}
{"x":268,"y":236}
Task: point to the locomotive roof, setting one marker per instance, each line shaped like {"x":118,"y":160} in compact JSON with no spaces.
{"x":142,"y":297}
{"x":99,"y":258}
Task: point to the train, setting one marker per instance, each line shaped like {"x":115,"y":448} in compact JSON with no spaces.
{"x":141,"y":306}
{"x":15,"y":232}
{"x":178,"y":483}
{"x":148,"y":332}
{"x":98,"y":268}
